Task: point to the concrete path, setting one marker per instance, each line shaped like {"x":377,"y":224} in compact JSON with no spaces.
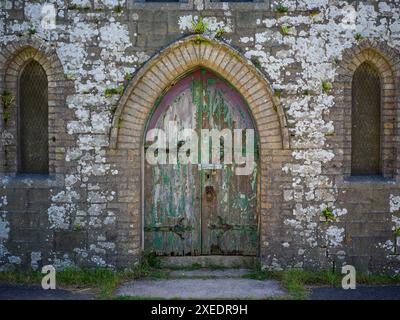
{"x":203,"y":284}
{"x":202,"y":289}
{"x":360,"y":293}
{"x":13,"y":291}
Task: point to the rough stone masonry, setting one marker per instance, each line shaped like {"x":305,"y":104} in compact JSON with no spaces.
{"x":107,"y":62}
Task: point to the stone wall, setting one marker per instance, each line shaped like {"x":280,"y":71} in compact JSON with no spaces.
{"x":87,"y":212}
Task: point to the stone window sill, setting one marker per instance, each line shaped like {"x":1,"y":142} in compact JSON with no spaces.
{"x":367,"y":182}
{"x":368,"y":179}
{"x":32,"y":181}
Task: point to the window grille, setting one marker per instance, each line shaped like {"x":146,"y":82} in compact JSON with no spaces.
{"x":33,"y":120}
{"x":366,"y":121}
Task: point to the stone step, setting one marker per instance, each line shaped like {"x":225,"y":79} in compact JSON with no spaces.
{"x":209,"y":261}
{"x":209,"y":273}
{"x":223,"y":288}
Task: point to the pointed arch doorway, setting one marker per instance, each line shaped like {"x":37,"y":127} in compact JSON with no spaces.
{"x":202,"y":208}
{"x":131,"y":119}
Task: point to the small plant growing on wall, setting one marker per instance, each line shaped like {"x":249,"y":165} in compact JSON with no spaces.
{"x":285,"y":29}
{"x":113,"y":109}
{"x":326,"y":86}
{"x":256,"y":62}
{"x":7,"y":99}
{"x":200,"y":39}
{"x":397,"y":232}
{"x":336,"y":61}
{"x":220,"y":32}
{"x":117,"y":8}
{"x":199,"y":26}
{"x":278,"y":92}
{"x":328,"y":215}
{"x":314,"y":12}
{"x":31,"y":31}
{"x":120,"y":122}
{"x":74,"y":6}
{"x":280,"y":8}
{"x":111,"y":91}
{"x":78,"y":227}
{"x":71,"y":77}
{"x":358,"y":36}
{"x":128,"y":76}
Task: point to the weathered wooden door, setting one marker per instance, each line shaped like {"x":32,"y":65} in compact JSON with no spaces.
{"x":201,"y":208}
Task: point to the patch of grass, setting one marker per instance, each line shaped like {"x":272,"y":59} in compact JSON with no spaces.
{"x":296,"y":280}
{"x":21,"y":277}
{"x":397,"y":232}
{"x":151,"y":260}
{"x":104,"y":281}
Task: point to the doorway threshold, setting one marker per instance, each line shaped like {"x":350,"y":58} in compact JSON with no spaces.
{"x":216,"y":261}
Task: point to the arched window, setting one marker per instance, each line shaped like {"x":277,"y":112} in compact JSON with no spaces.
{"x":33,"y":120}
{"x":366,"y":121}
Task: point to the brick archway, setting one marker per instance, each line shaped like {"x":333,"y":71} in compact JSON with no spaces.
{"x":163,"y":70}
{"x":136,"y":106}
{"x":386,"y":60}
{"x":13,"y":59}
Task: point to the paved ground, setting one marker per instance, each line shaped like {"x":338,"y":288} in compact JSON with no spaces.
{"x":203,"y":284}
{"x":360,"y":293}
{"x":203,"y":288}
{"x":35,"y":292}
